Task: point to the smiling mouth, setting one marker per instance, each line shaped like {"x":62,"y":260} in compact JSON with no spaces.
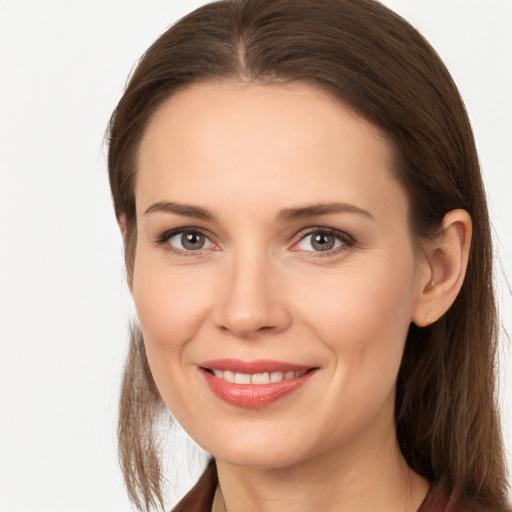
{"x":254,"y":384}
{"x":256,"y":378}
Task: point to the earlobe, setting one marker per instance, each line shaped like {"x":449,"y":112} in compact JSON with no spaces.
{"x":446,"y":260}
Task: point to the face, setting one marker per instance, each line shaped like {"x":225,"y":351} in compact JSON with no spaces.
{"x":275,"y":276}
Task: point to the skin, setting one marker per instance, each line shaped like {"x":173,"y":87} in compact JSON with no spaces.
{"x":259,"y":289}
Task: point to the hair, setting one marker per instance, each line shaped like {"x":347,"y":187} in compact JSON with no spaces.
{"x":372,"y":60}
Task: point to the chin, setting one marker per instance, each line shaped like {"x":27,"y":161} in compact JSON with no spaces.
{"x":258,"y":459}
{"x":257,"y":450}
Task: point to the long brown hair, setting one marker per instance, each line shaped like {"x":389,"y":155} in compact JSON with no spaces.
{"x":371,"y":59}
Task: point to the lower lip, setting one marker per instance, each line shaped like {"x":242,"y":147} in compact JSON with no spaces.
{"x":254,"y":396}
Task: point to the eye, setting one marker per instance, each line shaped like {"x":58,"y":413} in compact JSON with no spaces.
{"x":323,"y":240}
{"x":188,"y":241}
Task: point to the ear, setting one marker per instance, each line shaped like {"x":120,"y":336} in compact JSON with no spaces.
{"x":121,"y":222}
{"x":443,"y":268}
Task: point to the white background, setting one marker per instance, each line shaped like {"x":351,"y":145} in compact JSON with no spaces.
{"x":63,"y":301}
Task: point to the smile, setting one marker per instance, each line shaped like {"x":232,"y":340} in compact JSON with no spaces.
{"x":255,"y":384}
{"x":256,"y":378}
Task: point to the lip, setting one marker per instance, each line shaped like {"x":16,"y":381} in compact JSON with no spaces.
{"x":254,"y":396}
{"x":257,"y":366}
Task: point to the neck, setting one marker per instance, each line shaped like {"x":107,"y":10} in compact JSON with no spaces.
{"x":369,"y":474}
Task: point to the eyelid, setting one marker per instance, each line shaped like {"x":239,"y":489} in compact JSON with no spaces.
{"x":163,"y":240}
{"x":347,"y":240}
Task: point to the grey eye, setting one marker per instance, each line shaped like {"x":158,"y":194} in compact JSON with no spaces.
{"x":319,"y":241}
{"x":322,"y":242}
{"x":190,"y":241}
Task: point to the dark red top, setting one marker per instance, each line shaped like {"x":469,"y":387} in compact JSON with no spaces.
{"x":200,"y":498}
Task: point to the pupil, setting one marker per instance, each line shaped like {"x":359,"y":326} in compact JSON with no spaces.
{"x":323,"y":242}
{"x":192,"y":240}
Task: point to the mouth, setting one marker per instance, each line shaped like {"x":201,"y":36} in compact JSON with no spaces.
{"x":256,"y":378}
{"x":254,"y":384}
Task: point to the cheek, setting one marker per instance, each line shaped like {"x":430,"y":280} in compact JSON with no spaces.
{"x":171,"y":309}
{"x":363,"y":316}
{"x":363,"y":323}
{"x":170,"y":306}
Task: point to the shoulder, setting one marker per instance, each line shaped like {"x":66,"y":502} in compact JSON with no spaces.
{"x":200,"y":497}
{"x":437,"y":501}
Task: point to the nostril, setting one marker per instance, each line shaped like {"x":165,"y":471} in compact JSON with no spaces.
{"x":248,"y":315}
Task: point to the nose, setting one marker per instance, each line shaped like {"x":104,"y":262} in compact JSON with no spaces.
{"x":251,"y":300}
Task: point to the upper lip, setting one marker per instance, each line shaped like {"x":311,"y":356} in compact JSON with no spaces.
{"x":252,"y":367}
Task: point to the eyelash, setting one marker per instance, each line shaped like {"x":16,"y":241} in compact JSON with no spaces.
{"x":163,"y":240}
{"x":346,"y":240}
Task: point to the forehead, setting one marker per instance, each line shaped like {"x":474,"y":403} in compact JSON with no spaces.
{"x":284,"y":143}
{"x":206,"y":109}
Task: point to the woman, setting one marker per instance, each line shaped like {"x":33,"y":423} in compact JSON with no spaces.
{"x":307,"y":244}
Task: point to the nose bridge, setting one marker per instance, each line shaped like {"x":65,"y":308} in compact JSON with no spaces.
{"x":252,"y":301}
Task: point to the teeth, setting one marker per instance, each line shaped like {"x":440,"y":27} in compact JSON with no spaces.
{"x":229,"y":376}
{"x":256,"y":378}
{"x":260,"y":378}
{"x":242,"y":378}
{"x":276,"y":376}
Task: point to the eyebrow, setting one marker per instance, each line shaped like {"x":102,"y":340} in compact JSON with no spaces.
{"x":290,"y":214}
{"x":286,"y":215}
{"x":181,"y":209}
